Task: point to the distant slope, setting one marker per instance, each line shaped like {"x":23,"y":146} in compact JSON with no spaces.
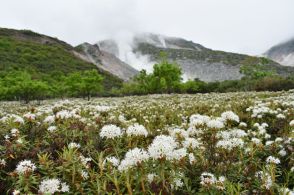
{"x":43,"y":56}
{"x":195,"y":60}
{"x":106,"y":61}
{"x":282,"y":53}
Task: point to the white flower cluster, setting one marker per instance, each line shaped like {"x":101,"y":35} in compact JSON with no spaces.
{"x":260,"y":109}
{"x":230,"y":139}
{"x":177,"y":132}
{"x":215,"y":124}
{"x":102,"y":108}
{"x":191,"y":143}
{"x":110,"y":131}
{"x":14,"y":132}
{"x":14,"y":117}
{"x":137,"y":130}
{"x":51,"y":186}
{"x":272,"y":160}
{"x":286,"y":191}
{"x":151,"y":177}
{"x":132,"y":158}
{"x":291,"y":123}
{"x":25,"y":166}
{"x":49,"y":119}
{"x":162,"y":146}
{"x":51,"y":129}
{"x":265,"y":178}
{"x":209,"y":180}
{"x":85,"y":160}
{"x":73,"y":145}
{"x":29,"y":116}
{"x":113,"y":160}
{"x":198,"y":120}
{"x":230,"y":116}
{"x":65,"y":114}
{"x":2,"y":162}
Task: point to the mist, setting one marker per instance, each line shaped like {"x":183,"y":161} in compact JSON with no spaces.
{"x":249,"y":27}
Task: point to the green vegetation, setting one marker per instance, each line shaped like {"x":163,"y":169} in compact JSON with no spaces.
{"x":166,"y":78}
{"x":46,"y":59}
{"x":19,"y":85}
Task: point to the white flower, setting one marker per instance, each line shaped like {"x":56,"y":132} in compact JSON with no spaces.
{"x":268,"y":143}
{"x":2,"y":162}
{"x":110,"y":131}
{"x":73,"y":145}
{"x":273,"y":160}
{"x":192,"y":159}
{"x":29,"y":116}
{"x":266,"y":179}
{"x":282,"y":152}
{"x":177,"y":183}
{"x":281,"y":116}
{"x":242,"y":124}
{"x":64,"y":187}
{"x":85,"y":160}
{"x":191,"y":143}
{"x":137,"y":130}
{"x":229,"y":144}
{"x":207,"y":179}
{"x":256,"y":140}
{"x":84,"y":175}
{"x":49,"y":119}
{"x":51,"y":186}
{"x":178,"y":154}
{"x":52,"y":128}
{"x":113,"y":160}
{"x":291,"y":123}
{"x":14,"y":132}
{"x":150,"y":177}
{"x":230,"y":116}
{"x":25,"y":166}
{"x":132,"y":158}
{"x":286,"y":191}
{"x":18,"y":119}
{"x":215,"y":124}
{"x":19,"y":140}
{"x":177,"y":132}
{"x":15,"y":192}
{"x":162,"y":146}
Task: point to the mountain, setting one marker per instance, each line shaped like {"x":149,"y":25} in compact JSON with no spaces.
{"x":282,"y":53}
{"x":106,"y":61}
{"x":44,"y":57}
{"x":196,"y":61}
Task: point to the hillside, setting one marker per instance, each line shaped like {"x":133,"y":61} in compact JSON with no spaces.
{"x":282,"y":53}
{"x":195,"y":60}
{"x":106,"y":61}
{"x":43,"y":56}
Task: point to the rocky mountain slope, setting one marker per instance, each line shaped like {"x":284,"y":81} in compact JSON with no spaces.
{"x":282,"y":53}
{"x":195,"y":60}
{"x":43,"y":56}
{"x":106,"y":61}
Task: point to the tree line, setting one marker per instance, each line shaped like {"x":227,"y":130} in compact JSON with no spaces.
{"x":165,"y":78}
{"x":20,"y":85}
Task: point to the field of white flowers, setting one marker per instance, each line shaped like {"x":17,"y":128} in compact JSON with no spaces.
{"x":231,"y":143}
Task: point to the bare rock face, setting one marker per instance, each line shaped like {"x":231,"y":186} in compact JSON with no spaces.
{"x":282,"y":53}
{"x":106,"y":61}
{"x":142,"y":51}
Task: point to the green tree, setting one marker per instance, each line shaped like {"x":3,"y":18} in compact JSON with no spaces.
{"x":166,"y":76}
{"x":85,"y":83}
{"x":257,"y":71}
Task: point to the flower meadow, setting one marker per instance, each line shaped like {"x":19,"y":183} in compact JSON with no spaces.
{"x":230,"y":143}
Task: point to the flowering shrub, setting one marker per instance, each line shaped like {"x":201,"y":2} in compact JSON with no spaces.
{"x":233,"y":143}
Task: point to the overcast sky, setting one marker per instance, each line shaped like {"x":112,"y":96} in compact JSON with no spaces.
{"x":244,"y":26}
